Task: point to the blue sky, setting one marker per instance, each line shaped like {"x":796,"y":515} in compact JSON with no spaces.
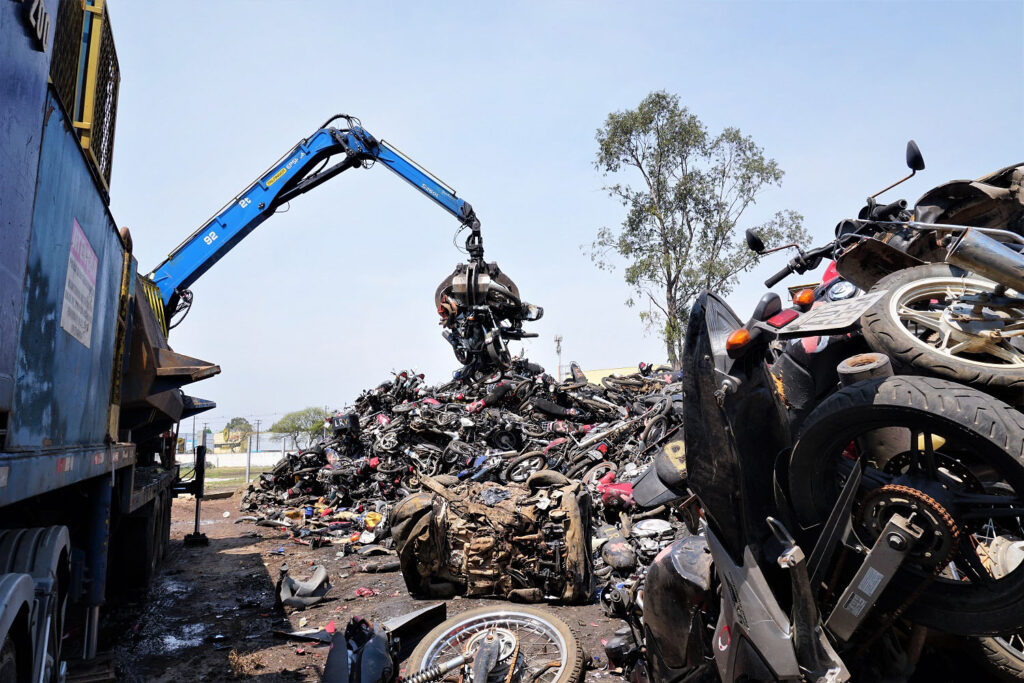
{"x":502,"y":100}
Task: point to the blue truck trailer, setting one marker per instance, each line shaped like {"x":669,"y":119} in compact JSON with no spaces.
{"x":90,"y":392}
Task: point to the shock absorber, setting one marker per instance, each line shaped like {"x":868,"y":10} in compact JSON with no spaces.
{"x":435,"y":672}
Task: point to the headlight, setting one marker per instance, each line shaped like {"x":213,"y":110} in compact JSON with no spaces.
{"x":842,"y":289}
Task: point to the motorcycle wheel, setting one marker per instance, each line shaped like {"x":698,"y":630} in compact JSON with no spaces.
{"x":949,"y":454}
{"x":913,"y":324}
{"x":543,"y":639}
{"x":1003,"y":656}
{"x":521,"y":467}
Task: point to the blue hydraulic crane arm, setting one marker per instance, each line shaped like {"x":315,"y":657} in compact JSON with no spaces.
{"x":291,"y":176}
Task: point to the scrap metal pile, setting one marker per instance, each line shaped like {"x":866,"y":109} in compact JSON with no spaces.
{"x":471,"y":448}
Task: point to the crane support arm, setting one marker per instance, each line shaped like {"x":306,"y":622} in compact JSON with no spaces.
{"x":303,"y":168}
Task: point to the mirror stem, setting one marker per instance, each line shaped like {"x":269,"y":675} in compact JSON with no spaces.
{"x":901,"y":180}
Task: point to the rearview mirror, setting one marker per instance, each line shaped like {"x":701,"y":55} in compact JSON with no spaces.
{"x":754,"y":242}
{"x":914,"y":159}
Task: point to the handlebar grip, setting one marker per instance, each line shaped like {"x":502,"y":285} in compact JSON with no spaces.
{"x":889,"y":210}
{"x":778,"y":277}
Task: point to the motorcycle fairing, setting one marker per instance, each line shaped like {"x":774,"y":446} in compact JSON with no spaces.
{"x":677,"y":587}
{"x":736,"y":495}
{"x":665,"y":480}
{"x":992,"y":201}
{"x":753,"y":636}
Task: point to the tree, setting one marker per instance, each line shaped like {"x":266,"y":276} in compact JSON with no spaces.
{"x":689,"y":190}
{"x":241,"y":428}
{"x":307,"y":423}
{"x":237,"y":424}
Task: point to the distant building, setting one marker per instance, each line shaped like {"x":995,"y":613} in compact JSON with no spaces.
{"x":595,"y":376}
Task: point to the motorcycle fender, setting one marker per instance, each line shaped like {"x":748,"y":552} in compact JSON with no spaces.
{"x":867,"y":262}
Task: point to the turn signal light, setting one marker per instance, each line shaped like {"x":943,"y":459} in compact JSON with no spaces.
{"x":805,"y":297}
{"x":737,"y":339}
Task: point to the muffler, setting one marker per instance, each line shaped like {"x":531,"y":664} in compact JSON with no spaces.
{"x":977,"y":252}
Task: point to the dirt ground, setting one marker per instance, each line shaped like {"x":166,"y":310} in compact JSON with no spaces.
{"x":210,"y":615}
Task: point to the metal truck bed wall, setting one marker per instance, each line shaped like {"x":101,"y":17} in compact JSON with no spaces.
{"x":61,"y":264}
{"x":23,"y":73}
{"x":70,"y":299}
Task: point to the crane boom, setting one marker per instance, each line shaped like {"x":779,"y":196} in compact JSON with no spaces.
{"x":295,"y":173}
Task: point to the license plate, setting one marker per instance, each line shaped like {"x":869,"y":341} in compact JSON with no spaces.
{"x":833,"y":317}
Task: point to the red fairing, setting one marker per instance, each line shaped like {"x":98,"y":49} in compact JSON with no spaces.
{"x":830,"y":274}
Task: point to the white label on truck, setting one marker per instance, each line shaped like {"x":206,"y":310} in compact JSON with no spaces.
{"x":80,"y":287}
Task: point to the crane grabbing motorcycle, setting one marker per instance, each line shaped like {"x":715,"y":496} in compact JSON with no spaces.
{"x":479,"y":305}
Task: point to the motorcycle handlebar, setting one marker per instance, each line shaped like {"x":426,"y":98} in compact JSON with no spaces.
{"x":801,"y":264}
{"x":778,"y":277}
{"x":882,"y":213}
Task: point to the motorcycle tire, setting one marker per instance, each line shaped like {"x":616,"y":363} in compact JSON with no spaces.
{"x":447,"y":639}
{"x":521,"y":467}
{"x":990,"y":431}
{"x":1003,"y":657}
{"x":915,"y":353}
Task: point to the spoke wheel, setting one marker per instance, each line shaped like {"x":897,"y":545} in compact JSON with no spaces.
{"x":940,"y":320}
{"x":548,"y":649}
{"x":520,"y":469}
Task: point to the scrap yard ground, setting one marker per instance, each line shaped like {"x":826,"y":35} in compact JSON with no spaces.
{"x":210,"y":614}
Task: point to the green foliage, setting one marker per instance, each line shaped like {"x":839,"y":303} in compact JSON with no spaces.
{"x":307,"y":424}
{"x":241,"y":428}
{"x":237,"y":424}
{"x":689,"y":189}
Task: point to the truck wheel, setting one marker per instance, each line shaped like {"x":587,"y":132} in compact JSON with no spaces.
{"x":8,"y":661}
{"x":135,"y":559}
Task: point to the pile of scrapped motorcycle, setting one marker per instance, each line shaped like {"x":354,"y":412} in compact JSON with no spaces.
{"x":850,"y":473}
{"x":498,"y":431}
{"x":856,"y":458}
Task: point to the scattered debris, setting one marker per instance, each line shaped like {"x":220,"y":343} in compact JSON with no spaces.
{"x":302,"y":594}
{"x":245,"y":664}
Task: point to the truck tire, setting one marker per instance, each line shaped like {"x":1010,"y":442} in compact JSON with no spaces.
{"x":134,"y":557}
{"x":890,"y":328}
{"x":8,"y":661}
{"x":43,"y":553}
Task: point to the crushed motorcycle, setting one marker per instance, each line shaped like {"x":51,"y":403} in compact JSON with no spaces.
{"x":831,"y":534}
{"x":948,"y":276}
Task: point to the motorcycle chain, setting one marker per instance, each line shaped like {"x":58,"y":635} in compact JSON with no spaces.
{"x":951,"y":528}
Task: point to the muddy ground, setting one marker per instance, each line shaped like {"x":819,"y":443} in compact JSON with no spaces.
{"x":210,"y":615}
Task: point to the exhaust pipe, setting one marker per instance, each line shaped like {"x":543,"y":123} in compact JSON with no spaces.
{"x":979,"y":253}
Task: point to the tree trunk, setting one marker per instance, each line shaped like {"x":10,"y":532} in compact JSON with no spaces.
{"x":672,"y":330}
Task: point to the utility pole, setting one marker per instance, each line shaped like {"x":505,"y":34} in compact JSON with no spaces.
{"x":248,"y":458}
{"x":203,"y":435}
{"x":193,"y":434}
{"x":257,"y":436}
{"x":558,"y":352}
